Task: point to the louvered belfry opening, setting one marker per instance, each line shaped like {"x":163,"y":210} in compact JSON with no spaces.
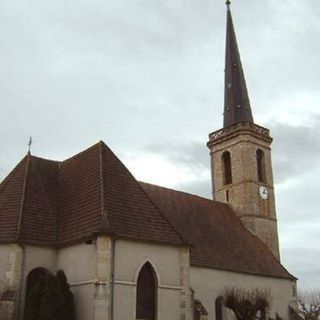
{"x":261,"y":166}
{"x":227,"y":169}
{"x":146,"y":294}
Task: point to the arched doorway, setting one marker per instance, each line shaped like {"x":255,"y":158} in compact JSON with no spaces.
{"x":146,"y":307}
{"x":33,"y":279}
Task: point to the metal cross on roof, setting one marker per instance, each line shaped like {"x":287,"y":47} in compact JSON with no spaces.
{"x":29,"y":144}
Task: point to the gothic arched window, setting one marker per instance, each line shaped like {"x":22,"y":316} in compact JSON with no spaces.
{"x":261,"y":170}
{"x":219,"y":308}
{"x":227,"y":171}
{"x":146,"y":293}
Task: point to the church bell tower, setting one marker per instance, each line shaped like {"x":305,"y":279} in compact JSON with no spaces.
{"x":241,"y":154}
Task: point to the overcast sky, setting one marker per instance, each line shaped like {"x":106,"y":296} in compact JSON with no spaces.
{"x":146,"y":76}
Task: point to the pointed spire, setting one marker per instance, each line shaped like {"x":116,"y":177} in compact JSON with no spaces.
{"x":236,"y":102}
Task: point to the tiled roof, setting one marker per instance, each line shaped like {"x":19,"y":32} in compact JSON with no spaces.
{"x":28,"y":206}
{"x":55,"y":203}
{"x":217,"y":237}
{"x":11,"y":194}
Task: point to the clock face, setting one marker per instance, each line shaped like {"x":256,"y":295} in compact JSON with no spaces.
{"x":263,"y":192}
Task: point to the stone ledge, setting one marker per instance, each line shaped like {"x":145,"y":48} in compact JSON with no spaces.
{"x":238,"y":128}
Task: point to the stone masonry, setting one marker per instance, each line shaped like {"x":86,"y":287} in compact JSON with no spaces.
{"x":102,"y":295}
{"x":186,"y":296}
{"x":9,"y":299}
{"x":242,"y":141}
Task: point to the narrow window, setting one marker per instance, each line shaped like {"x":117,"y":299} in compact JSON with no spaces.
{"x":146,"y":293}
{"x":261,"y":166}
{"x":219,"y":308}
{"x":227,"y":195}
{"x":226,"y":160}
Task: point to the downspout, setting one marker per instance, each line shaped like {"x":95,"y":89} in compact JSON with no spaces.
{"x":113,"y":250}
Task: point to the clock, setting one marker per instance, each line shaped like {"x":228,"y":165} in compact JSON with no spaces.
{"x":263,"y":192}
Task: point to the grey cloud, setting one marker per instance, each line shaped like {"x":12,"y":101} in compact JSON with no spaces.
{"x":303,"y":262}
{"x":296,"y":149}
{"x":201,"y":188}
{"x":193,"y":155}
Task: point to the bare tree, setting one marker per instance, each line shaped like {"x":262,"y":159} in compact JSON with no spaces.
{"x":309,"y":305}
{"x":247,"y":304}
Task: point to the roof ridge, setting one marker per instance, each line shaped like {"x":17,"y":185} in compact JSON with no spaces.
{"x":44,"y":159}
{"x":9,"y":176}
{"x":162,"y":215}
{"x":83,"y":151}
{"x":39,"y":177}
{"x":186,"y":193}
{"x":104,"y":218}
{"x":22,"y":202}
{"x":82,"y":173}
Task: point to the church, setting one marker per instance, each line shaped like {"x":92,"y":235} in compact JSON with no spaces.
{"x":133,"y":250}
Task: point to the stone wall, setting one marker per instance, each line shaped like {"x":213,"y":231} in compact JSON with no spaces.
{"x":257,"y":214}
{"x":11,"y":266}
{"x":4,"y":260}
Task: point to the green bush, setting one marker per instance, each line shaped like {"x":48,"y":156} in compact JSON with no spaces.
{"x":50,"y":299}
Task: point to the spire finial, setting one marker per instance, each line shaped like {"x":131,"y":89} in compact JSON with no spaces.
{"x":228,"y":4}
{"x":29,"y":145}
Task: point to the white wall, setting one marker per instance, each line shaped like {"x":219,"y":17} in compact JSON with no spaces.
{"x":83,"y":301}
{"x":79,"y":264}
{"x":129,"y":258}
{"x":209,"y":283}
{"x":36,"y":257}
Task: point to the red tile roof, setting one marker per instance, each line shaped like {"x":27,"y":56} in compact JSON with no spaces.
{"x":47,"y":202}
{"x":28,"y":202}
{"x":218,"y":238}
{"x":11,"y":193}
{"x":55,"y":203}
